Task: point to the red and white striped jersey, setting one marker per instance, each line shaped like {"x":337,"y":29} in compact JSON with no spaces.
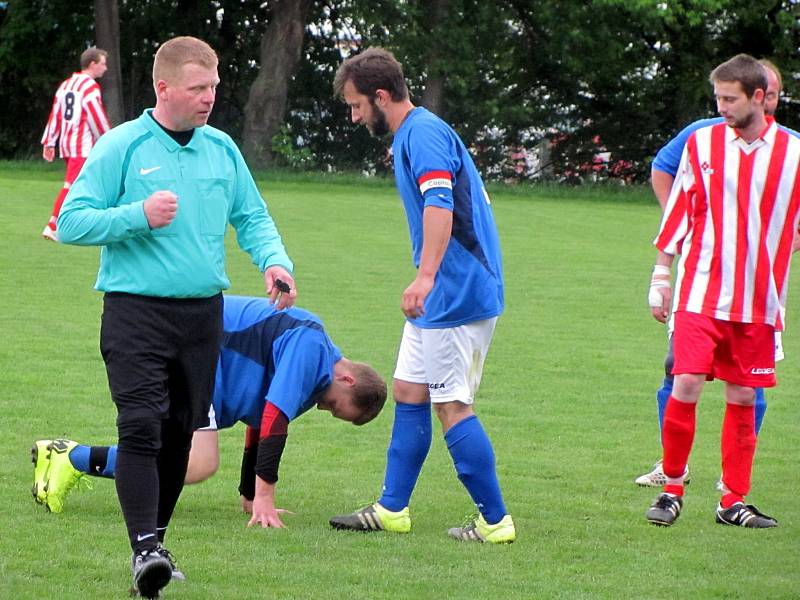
{"x":77,"y":118}
{"x":732,"y":214}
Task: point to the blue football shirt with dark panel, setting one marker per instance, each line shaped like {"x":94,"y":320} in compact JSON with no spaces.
{"x":281,"y":356}
{"x":433,"y":168}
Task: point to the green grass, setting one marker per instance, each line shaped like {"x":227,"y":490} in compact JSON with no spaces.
{"x":567,"y":397}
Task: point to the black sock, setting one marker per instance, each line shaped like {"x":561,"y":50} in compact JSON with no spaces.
{"x":98,"y":460}
{"x":137,"y":488}
{"x":173,"y":460}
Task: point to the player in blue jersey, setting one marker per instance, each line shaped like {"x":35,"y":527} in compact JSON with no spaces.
{"x":273,"y":367}
{"x":451,"y":306}
{"x":664,"y":169}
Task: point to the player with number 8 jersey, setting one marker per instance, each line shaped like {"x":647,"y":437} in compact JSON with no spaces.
{"x":77,"y":119}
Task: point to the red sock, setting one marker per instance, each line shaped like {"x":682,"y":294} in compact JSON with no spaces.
{"x":57,"y":207}
{"x":677,"y":436}
{"x":738,"y":448}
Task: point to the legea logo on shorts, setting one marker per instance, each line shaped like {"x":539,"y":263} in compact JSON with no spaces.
{"x":756,"y":371}
{"x":435,"y":386}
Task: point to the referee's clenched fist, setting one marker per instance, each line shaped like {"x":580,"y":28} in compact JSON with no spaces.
{"x":160,"y":208}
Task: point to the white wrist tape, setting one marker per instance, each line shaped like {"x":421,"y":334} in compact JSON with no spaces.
{"x":654,"y":298}
{"x":661,"y":270}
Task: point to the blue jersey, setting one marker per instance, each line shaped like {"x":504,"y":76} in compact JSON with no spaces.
{"x":669,"y":157}
{"x":281,"y":356}
{"x":433,"y":168}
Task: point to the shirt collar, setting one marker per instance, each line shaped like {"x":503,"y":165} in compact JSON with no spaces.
{"x":763,"y":135}
{"x":170,"y":145}
{"x":766,"y":137}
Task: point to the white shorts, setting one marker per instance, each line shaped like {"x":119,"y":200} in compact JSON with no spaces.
{"x":449,"y":360}
{"x":212,"y":420}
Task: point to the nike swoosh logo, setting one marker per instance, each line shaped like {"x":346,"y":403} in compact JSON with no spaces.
{"x":148,"y":171}
{"x":141,"y":537}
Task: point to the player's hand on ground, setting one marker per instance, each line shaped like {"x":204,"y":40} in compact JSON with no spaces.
{"x":48,"y":153}
{"x":267,"y":515}
{"x":413,"y":301}
{"x":160,"y":209}
{"x":280,"y":286}
{"x":247,"y":505}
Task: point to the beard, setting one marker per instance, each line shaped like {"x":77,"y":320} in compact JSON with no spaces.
{"x":378,"y":126}
{"x":743,"y":122}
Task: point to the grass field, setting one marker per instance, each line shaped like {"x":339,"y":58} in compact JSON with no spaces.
{"x":567,"y":397}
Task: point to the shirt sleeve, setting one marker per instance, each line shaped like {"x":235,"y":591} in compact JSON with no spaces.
{"x":675,"y":221}
{"x":96,"y":115}
{"x":302,"y":368}
{"x":90,"y":215}
{"x":433,"y":156}
{"x":53,"y":127}
{"x":256,"y":232}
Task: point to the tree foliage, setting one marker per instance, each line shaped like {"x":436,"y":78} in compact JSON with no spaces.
{"x":559,"y":82}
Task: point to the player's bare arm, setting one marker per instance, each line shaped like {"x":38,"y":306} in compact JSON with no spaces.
{"x":661,"y":182}
{"x":437,"y":225}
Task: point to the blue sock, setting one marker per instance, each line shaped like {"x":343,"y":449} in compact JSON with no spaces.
{"x":100,"y":461}
{"x":79,"y":457}
{"x":111,"y":463}
{"x":411,"y":440}
{"x":761,"y":408}
{"x":662,"y":396}
{"x":473,"y":458}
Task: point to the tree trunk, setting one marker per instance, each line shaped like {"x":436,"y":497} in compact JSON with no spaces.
{"x":106,"y":26}
{"x":434,"y":84}
{"x":281,"y":50}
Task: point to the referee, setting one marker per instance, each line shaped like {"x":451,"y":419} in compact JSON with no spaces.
{"x":157,"y":194}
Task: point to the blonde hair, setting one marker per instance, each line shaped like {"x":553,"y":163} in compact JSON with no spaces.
{"x":179,"y":51}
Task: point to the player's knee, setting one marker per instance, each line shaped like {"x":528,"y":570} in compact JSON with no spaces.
{"x":139,"y":435}
{"x":743,"y":396}
{"x":406,"y":392}
{"x":451,"y":413}
{"x":687,"y":387}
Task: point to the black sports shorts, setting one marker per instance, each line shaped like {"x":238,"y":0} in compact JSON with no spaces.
{"x":161,"y":355}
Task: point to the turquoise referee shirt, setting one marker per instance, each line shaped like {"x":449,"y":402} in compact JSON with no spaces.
{"x":186,"y":259}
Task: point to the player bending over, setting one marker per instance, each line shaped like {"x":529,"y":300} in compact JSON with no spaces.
{"x":273,"y":367}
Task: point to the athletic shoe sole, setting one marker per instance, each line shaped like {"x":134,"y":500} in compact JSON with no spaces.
{"x":153,"y":577}
{"x":35,"y":460}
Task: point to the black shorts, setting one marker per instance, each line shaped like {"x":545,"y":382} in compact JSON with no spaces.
{"x":161,"y":356}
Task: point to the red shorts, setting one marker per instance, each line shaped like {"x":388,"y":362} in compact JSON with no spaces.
{"x":74,"y":166}
{"x":739,"y":353}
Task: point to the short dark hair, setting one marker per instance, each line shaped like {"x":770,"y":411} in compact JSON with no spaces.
{"x":742,"y":68}
{"x":372,"y":70}
{"x":369,"y":392}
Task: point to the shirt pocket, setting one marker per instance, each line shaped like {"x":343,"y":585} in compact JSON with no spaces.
{"x":140,"y":190}
{"x":213,"y":195}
